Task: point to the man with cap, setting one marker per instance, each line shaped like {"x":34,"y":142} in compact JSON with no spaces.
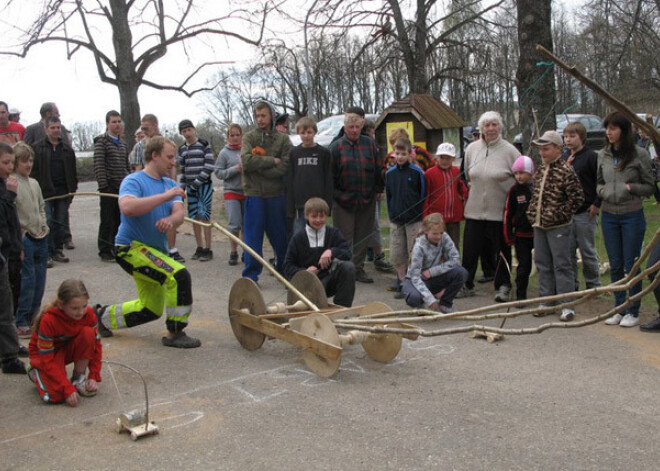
{"x":15,"y":117}
{"x":556,"y":198}
{"x":195,"y":159}
{"x":282,"y":122}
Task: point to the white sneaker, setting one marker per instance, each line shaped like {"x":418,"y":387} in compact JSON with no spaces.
{"x":567,"y":315}
{"x":503,"y":294}
{"x":614,"y":320}
{"x":629,"y":321}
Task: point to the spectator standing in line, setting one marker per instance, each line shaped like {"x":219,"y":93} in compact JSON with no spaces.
{"x":195,"y":158}
{"x":356,"y":170}
{"x":265,"y":157}
{"x":10,"y":131}
{"x":139,"y":135}
{"x":404,"y":191}
{"x":557,"y":196}
{"x":55,"y":170}
{"x":229,"y":168}
{"x":488,"y":164}
{"x":309,"y":175}
{"x":375,"y":246}
{"x":446,"y":191}
{"x":34,"y":227}
{"x":36,"y":132}
{"x":585,"y":222}
{"x":624,"y":178}
{"x":518,"y":230}
{"x":10,"y":249}
{"x":110,"y":168}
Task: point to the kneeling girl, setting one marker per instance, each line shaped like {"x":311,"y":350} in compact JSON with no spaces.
{"x":435,"y":274}
{"x":66,"y":332}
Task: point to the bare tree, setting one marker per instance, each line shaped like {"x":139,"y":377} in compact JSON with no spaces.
{"x":83,"y":134}
{"x":417,"y":29}
{"x":85,"y":25}
{"x":536,"y":86}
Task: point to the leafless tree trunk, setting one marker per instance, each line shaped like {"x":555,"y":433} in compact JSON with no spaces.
{"x":536,"y":87}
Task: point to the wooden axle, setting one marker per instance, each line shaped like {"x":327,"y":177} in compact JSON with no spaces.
{"x":281,"y":308}
{"x":314,"y":332}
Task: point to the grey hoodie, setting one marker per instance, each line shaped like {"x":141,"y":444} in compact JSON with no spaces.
{"x":225,"y":169}
{"x":438,"y":259}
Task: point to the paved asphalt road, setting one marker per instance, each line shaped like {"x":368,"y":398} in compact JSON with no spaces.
{"x":565,"y":399}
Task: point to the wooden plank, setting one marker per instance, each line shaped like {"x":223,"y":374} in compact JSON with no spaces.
{"x":296,"y":339}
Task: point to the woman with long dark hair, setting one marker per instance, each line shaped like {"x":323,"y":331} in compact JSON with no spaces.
{"x":624,"y":178}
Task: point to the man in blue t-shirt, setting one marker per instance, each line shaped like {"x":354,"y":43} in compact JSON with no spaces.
{"x":151,"y":204}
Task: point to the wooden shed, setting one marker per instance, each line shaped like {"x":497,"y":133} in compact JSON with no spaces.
{"x":431,"y":121}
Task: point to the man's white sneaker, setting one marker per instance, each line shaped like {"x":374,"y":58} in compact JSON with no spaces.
{"x":567,"y":315}
{"x":629,"y":321}
{"x":614,"y":320}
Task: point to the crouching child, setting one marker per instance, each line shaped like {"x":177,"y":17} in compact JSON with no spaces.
{"x":66,"y":332}
{"x":435,"y":274}
{"x":323,"y":251}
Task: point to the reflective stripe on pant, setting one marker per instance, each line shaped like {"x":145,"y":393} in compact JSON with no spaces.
{"x":162,"y":283}
{"x":80,"y":347}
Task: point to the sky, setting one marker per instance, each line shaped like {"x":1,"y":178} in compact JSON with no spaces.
{"x":47,"y":75}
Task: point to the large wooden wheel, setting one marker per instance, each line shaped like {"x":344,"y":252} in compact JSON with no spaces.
{"x":381,"y":347}
{"x":245,"y":294}
{"x":310,"y":286}
{"x":320,"y":328}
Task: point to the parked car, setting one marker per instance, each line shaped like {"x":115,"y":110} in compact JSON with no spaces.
{"x":328,"y":128}
{"x":593,"y":123}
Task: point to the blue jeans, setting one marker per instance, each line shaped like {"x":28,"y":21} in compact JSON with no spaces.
{"x":624,"y":235}
{"x":264,"y":215}
{"x":33,"y":279}
{"x":57,"y":215}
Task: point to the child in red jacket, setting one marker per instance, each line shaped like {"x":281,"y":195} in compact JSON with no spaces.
{"x":446,"y":191}
{"x":66,"y":332}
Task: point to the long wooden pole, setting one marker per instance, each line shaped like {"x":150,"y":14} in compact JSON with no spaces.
{"x":618,"y":104}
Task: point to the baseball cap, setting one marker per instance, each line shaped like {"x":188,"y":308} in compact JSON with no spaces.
{"x":549,"y":137}
{"x":523,"y":164}
{"x":14,"y":111}
{"x":186,"y":123}
{"x":281,"y":118}
{"x":446,"y":149}
{"x":475,"y":129}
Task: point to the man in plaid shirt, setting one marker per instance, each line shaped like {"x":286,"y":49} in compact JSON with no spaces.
{"x":357,"y":179}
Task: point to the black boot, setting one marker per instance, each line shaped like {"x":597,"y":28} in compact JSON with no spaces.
{"x":653,"y":326}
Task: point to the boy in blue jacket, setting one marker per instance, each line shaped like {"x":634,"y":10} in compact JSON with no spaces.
{"x":405,"y":190}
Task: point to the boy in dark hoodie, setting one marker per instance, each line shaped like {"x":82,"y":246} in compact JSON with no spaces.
{"x":322,"y":250}
{"x":265,"y":160}
{"x":517,"y":229}
{"x":10,"y":252}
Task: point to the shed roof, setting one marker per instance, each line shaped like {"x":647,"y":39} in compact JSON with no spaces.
{"x":431,"y":112}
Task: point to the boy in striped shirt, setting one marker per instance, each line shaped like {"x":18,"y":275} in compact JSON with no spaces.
{"x":196,"y":161}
